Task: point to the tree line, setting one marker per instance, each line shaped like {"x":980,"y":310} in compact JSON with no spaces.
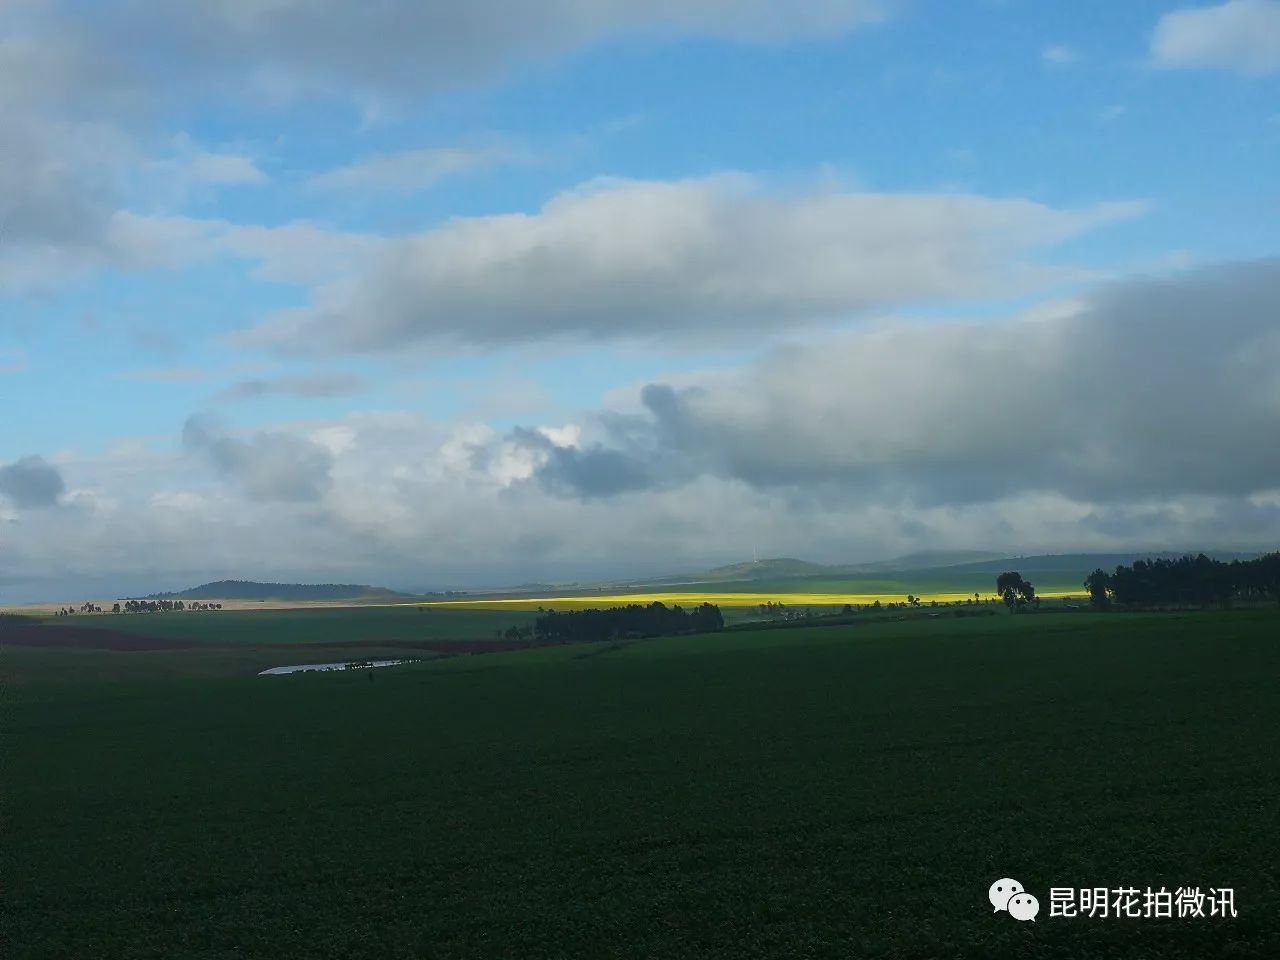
{"x":1186,"y":581}
{"x":140,"y":606}
{"x":624,"y":623}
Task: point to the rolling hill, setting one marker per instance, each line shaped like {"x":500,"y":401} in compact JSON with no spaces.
{"x":252,"y":590}
{"x":934,"y":570}
{"x":787,"y":568}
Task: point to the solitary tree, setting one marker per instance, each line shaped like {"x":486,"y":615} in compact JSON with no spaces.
{"x":1027,"y":593}
{"x":1097,"y":583}
{"x":1009,"y":585}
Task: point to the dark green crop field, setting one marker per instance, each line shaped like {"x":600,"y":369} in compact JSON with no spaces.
{"x":842,"y":792}
{"x":309,"y":624}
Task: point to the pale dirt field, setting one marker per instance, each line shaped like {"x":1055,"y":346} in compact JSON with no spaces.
{"x":45,"y":609}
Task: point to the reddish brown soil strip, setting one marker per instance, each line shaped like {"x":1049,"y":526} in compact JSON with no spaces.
{"x":91,"y":638}
{"x":440,"y":646}
{"x":85,"y":638}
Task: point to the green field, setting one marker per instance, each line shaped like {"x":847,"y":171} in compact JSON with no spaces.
{"x":924,"y":583}
{"x":818,"y":792}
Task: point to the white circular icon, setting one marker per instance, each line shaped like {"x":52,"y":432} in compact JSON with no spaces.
{"x":1001,"y":891}
{"x":1023,"y":906}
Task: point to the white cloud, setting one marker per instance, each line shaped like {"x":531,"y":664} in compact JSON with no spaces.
{"x":1241,"y":35}
{"x":86,"y":182}
{"x":412,"y":170}
{"x":71,"y":151}
{"x":268,"y":466}
{"x":224,"y":169}
{"x":640,"y":258}
{"x":1059,"y":55}
{"x":308,"y":386}
{"x":163,"y":375}
{"x":12,"y":360}
{"x":298,"y":252}
{"x":123,"y":240}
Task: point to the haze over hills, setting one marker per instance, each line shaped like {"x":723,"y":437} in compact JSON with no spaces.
{"x":1087,"y":562}
{"x":777,"y":568}
{"x":924,"y":560}
{"x":959,"y":563}
{"x":757,"y":570}
{"x":1070,"y":566}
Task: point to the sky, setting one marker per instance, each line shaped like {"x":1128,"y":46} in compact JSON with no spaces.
{"x":429,"y":295}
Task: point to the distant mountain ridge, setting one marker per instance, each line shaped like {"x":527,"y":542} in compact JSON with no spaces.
{"x":924,"y":560}
{"x":782,"y":568}
{"x":253,"y":590}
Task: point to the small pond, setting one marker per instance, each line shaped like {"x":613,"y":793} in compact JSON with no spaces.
{"x":323,"y":667}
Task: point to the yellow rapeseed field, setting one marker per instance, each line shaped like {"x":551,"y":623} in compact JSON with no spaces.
{"x":719,"y":599}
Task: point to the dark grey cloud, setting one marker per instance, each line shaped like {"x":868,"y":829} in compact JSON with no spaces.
{"x":43,"y":198}
{"x":266,"y":466}
{"x":31,"y":482}
{"x":411,"y":47}
{"x":1168,"y":525}
{"x":314,"y":386}
{"x":64,"y":101}
{"x":593,"y":471}
{"x":1153,"y":388}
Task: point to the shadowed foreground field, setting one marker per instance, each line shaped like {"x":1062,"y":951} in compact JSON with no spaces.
{"x":821,"y":792}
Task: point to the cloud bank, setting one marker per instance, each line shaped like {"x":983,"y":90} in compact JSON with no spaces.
{"x":1137,"y":417}
{"x":1150,"y":388}
{"x":619,"y":258}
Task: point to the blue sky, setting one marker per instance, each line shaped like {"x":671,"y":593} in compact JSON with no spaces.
{"x":299,"y":227}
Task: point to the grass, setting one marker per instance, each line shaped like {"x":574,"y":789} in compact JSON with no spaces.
{"x":821,"y":792}
{"x":931,"y":584}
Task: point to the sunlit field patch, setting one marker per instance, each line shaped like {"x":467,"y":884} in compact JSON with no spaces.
{"x":719,"y":599}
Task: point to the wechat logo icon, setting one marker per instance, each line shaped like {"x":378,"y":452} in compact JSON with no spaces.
{"x":1008,"y":894}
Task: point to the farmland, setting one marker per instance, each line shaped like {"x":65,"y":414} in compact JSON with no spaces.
{"x":819,"y":791}
{"x":745,"y":600}
{"x":944,"y":586}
